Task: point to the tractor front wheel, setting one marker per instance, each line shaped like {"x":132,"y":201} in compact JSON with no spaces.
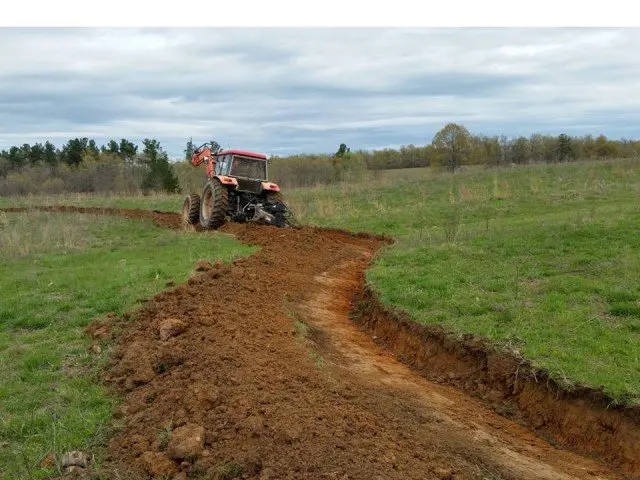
{"x":191,"y":209}
{"x":214,"y":204}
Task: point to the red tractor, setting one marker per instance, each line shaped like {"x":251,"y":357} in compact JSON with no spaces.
{"x":236,"y":189}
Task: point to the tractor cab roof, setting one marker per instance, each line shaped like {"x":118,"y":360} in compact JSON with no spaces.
{"x":244,"y":153}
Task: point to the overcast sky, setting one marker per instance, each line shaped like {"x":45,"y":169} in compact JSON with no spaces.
{"x":282,"y":91}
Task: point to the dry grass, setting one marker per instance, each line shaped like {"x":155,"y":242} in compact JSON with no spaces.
{"x":34,"y":232}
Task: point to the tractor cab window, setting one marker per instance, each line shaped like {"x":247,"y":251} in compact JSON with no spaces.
{"x":247,"y":167}
{"x":222,"y":165}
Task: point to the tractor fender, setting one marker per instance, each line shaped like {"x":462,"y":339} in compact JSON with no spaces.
{"x":270,"y":187}
{"x":227,"y":180}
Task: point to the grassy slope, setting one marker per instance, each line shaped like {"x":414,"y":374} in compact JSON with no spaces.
{"x":58,"y":272}
{"x":545,"y":260}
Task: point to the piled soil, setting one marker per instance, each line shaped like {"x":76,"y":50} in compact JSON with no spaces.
{"x":254,"y":370}
{"x":162,"y":219}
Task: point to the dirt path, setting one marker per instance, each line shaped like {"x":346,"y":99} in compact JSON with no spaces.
{"x":256,"y":371}
{"x":501,"y":447}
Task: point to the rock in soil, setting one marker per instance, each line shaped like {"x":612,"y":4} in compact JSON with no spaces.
{"x":74,"y":459}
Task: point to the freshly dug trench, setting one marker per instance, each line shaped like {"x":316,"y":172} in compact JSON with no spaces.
{"x":275,"y":403}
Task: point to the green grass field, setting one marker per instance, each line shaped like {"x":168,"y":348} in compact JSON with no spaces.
{"x":542,"y":259}
{"x":58,"y":272}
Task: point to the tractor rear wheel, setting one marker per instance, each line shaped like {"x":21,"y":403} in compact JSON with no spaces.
{"x":191,"y":209}
{"x":214,"y":204}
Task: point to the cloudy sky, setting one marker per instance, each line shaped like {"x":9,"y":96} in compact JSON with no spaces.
{"x":282,"y":91}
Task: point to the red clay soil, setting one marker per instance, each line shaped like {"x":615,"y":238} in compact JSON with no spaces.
{"x":255,"y":370}
{"x":162,"y":219}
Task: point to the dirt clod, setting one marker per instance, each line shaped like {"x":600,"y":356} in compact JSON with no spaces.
{"x":171,"y":327}
{"x":75,"y":471}
{"x":186,"y":442}
{"x":444,"y":473}
{"x":99,"y":330}
{"x":203,"y":266}
{"x":136,"y":366}
{"x":158,"y":464}
{"x":49,"y":460}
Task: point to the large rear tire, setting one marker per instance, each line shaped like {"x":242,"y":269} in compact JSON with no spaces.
{"x":214,"y":204}
{"x":191,"y":209}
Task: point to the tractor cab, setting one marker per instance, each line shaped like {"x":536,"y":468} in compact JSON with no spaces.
{"x":239,"y":163}
{"x":247,"y":169}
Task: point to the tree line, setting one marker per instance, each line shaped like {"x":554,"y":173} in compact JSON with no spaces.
{"x":80,"y":165}
{"x":451,"y":147}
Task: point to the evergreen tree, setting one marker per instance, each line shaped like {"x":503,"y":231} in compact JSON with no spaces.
{"x":160,"y":175}
{"x":188,"y":151}
{"x":50,"y":154}
{"x":215,"y":146}
{"x":92,"y":149}
{"x":73,"y":152}
{"x":111,"y":147}
{"x":36,"y":154}
{"x":16,"y":158}
{"x":564,"y":150}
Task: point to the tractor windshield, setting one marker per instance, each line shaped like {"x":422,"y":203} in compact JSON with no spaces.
{"x":248,"y":168}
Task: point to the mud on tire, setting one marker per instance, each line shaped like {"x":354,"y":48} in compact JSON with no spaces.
{"x":285,"y":218}
{"x":274,"y":197}
{"x":191,"y":209}
{"x":214,"y":204}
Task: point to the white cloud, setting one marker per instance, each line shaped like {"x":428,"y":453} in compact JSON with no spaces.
{"x":296,"y":89}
